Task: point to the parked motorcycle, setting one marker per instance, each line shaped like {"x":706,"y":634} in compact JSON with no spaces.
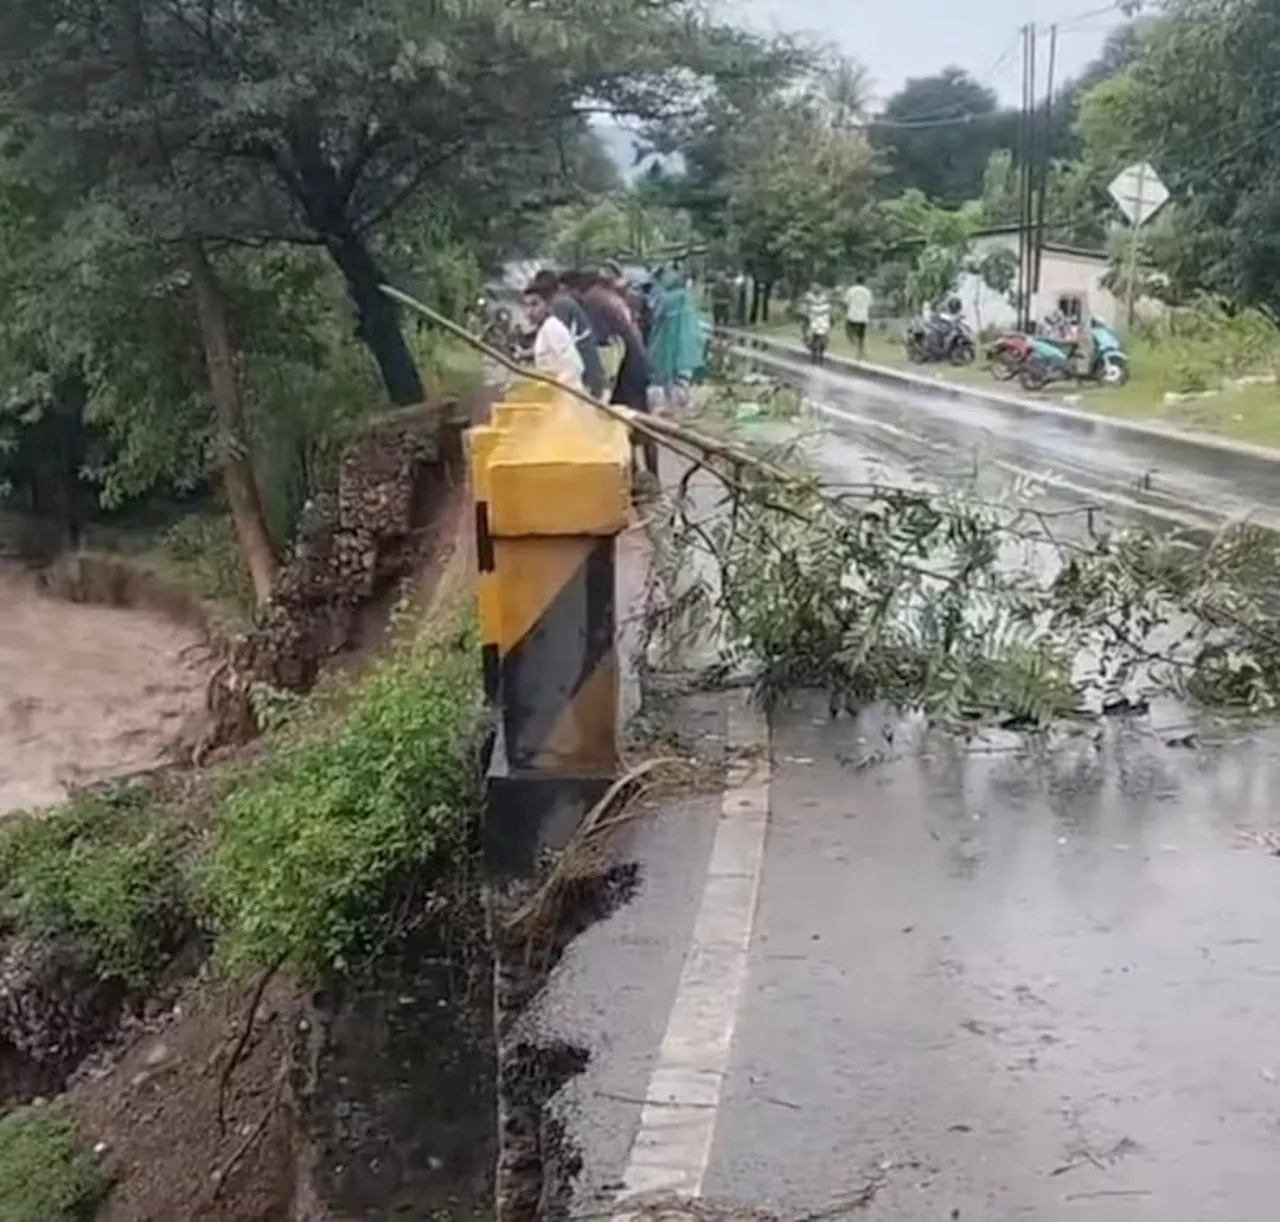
{"x":944,"y":338}
{"x":1006,"y":355}
{"x":1060,"y":361}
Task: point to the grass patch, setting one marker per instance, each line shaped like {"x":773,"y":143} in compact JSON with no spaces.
{"x":311,"y":844}
{"x":109,"y":870}
{"x":1159,"y":364}
{"x":45,"y":1175}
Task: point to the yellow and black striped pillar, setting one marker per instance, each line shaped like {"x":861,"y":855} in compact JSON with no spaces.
{"x":556,"y":495}
{"x":557,"y":658}
{"x":480,"y":443}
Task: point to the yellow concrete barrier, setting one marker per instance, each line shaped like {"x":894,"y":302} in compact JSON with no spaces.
{"x":551,"y":482}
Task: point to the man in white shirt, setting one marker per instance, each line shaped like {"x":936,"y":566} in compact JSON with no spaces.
{"x":555,"y":351}
{"x":857,"y":314}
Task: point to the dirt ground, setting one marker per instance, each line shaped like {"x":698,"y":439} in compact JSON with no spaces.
{"x":87,"y":692}
{"x":153,"y":1115}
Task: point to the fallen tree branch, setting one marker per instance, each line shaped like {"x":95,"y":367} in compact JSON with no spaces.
{"x":909,"y":596}
{"x":539,"y":914}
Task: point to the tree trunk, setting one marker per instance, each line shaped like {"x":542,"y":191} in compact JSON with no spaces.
{"x":379,"y":320}
{"x":228,"y":405}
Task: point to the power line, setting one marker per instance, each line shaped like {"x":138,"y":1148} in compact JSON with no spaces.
{"x":957,"y":121}
{"x":1125,"y":8}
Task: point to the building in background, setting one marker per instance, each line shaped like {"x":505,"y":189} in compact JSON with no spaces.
{"x":1071,"y":279}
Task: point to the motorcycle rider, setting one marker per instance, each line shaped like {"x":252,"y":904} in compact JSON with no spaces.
{"x":815,"y":309}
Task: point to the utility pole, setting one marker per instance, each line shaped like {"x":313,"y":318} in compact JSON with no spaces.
{"x":1131,"y":287}
{"x":1042,"y":203}
{"x":1027,"y":244}
{"x":1023,"y":164}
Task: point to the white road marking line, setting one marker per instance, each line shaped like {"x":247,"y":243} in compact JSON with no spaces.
{"x":672,"y":1147}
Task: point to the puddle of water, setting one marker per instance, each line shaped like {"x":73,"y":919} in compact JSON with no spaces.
{"x":87,"y":692}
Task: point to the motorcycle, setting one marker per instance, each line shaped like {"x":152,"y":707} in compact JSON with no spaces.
{"x":815,"y":339}
{"x":1055,"y":360}
{"x":1006,"y":355}
{"x":940,"y":339}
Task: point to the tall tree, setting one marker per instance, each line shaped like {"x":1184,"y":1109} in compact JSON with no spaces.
{"x":313,"y":121}
{"x":937,"y":133}
{"x":800,"y":200}
{"x":1198,"y":101}
{"x":750,"y":77}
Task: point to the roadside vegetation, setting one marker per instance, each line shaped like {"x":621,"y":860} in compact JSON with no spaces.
{"x":311,"y":844}
{"x":1201,"y":366}
{"x":44,"y":1175}
{"x":110,"y":871}
{"x":288,"y":860}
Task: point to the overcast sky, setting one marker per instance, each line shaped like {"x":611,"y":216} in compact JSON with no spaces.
{"x":897,"y":39}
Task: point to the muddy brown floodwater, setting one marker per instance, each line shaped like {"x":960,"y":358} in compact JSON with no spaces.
{"x":87,"y":692}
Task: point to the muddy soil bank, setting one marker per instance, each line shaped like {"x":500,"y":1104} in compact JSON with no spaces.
{"x":398,"y":1078}
{"x":88,"y":692}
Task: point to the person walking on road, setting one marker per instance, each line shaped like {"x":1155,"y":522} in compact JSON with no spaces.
{"x":555,"y":351}
{"x":857,"y":316}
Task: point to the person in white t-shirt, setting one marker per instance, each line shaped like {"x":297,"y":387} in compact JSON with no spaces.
{"x":857,"y":314}
{"x":555,"y":351}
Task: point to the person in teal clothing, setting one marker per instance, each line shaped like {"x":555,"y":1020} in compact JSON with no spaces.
{"x":677,"y":343}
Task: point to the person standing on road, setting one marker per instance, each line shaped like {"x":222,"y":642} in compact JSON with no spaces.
{"x":677,"y":346}
{"x":721,"y":299}
{"x":613,"y":320}
{"x":566,"y":307}
{"x":857,"y":316}
{"x":555,"y":352}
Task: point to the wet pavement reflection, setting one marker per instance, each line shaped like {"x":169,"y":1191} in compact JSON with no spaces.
{"x":1011,"y":978}
{"x":1011,"y":981}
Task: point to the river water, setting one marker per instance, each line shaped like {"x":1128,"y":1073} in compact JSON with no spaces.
{"x":87,"y":692}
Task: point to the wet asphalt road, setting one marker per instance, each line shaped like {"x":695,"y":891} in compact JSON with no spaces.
{"x":1011,"y":986}
{"x":984,"y":981}
{"x":944,"y":439}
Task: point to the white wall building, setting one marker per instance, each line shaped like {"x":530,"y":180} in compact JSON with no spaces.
{"x":1070,"y":280}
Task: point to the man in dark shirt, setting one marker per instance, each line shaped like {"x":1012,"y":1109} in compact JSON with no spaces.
{"x":567,"y":309}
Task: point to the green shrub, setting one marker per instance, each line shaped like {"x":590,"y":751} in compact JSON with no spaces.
{"x":45,"y":1175}
{"x":310,"y":846}
{"x":1204,"y":344}
{"x":103,"y":869}
{"x":204,"y":552}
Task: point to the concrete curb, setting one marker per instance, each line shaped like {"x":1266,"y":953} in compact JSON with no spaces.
{"x":1185,"y":449}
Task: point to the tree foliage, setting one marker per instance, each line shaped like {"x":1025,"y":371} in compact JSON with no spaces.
{"x":1196,"y":99}
{"x":618,"y":226}
{"x":965,"y":606}
{"x":315,"y":122}
{"x":799,"y":202}
{"x":937,"y":134}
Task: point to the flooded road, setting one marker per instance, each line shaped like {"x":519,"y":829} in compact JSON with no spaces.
{"x":982,"y":980}
{"x":87,"y":692}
